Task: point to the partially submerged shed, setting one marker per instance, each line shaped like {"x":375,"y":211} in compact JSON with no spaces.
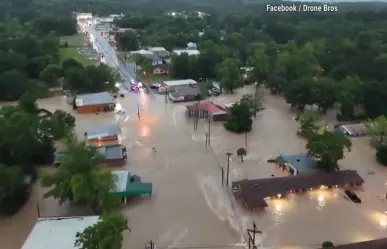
{"x":297,"y":163}
{"x":253,"y":193}
{"x":128,"y":185}
{"x":114,"y":155}
{"x":103,"y":133}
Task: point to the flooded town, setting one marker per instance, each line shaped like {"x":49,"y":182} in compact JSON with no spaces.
{"x":193,"y":203}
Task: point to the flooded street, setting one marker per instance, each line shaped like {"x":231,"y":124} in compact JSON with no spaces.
{"x":189,"y":207}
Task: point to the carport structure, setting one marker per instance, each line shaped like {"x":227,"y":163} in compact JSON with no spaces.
{"x":253,"y":193}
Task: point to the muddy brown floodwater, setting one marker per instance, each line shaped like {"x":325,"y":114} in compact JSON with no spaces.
{"x":189,"y":206}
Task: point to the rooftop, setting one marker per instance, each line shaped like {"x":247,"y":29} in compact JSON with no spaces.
{"x":299,"y":162}
{"x":184,"y":91}
{"x":103,"y":131}
{"x":157,"y":49}
{"x":206,"y":106}
{"x":253,"y":192}
{"x":94,"y":99}
{"x":370,"y":244}
{"x":111,"y":152}
{"x":151,"y":57}
{"x":180,"y":82}
{"x":58,"y":232}
{"x":122,"y":179}
{"x":187,"y":51}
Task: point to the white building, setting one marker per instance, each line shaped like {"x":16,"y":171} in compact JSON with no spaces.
{"x":57,"y":232}
{"x":141,"y":52}
{"x":171,"y":85}
{"x":187,"y":51}
{"x":83,"y":15}
{"x":191,"y":45}
{"x":159,"y":51}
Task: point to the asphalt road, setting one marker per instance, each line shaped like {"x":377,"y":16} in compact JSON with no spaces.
{"x":127,"y":70}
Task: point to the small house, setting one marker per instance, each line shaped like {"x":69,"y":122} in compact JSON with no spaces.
{"x":159,"y":52}
{"x":94,"y":102}
{"x":185,"y":93}
{"x":103,"y":133}
{"x":205,"y":110}
{"x":297,"y":163}
{"x":191,"y":45}
{"x":50,"y":232}
{"x":115,"y":155}
{"x":128,"y":185}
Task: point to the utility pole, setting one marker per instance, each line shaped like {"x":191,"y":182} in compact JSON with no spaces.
{"x":206,"y":139}
{"x":228,"y":166}
{"x":150,"y":245}
{"x":125,"y":54}
{"x":251,"y":233}
{"x":138,"y":111}
{"x":255,"y":99}
{"x":246,"y":140}
{"x":196,"y":117}
{"x":209,"y":130}
{"x":222,"y":170}
{"x":38,"y":208}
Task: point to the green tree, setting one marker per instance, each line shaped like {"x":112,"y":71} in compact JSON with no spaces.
{"x":381,"y":154}
{"x":239,"y":119}
{"x":252,"y":102}
{"x":51,"y":75}
{"x":377,"y":130}
{"x":80,"y":180}
{"x":308,"y":124}
{"x":327,"y":244}
{"x":229,"y":74}
{"x":106,"y":234}
{"x":13,"y":189}
{"x":241,"y":152}
{"x":127,"y":41}
{"x":58,"y":125}
{"x":27,"y":103}
{"x":328,"y":148}
{"x":301,"y":93}
{"x":349,"y":94}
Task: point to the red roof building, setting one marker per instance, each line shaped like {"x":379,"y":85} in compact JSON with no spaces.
{"x":206,"y":109}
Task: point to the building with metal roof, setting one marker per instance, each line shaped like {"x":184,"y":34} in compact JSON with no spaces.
{"x":206,"y":109}
{"x":186,"y":51}
{"x":114,"y":155}
{"x":127,"y":185}
{"x":108,"y":132}
{"x":58,"y":232}
{"x":253,"y":193}
{"x":297,"y":163}
{"x":93,"y":102}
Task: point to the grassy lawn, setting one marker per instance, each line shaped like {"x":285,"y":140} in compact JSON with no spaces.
{"x":77,"y":40}
{"x":67,"y":53}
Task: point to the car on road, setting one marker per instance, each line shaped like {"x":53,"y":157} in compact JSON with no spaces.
{"x":155,"y":86}
{"x":351,"y":195}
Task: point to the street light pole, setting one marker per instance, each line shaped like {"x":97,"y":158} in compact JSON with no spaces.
{"x":246,"y":140}
{"x":209,"y":130}
{"x":255,"y":99}
{"x":228,"y":166}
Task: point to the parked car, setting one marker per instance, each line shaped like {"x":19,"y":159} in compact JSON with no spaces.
{"x":155,"y":86}
{"x":351,"y":195}
{"x":209,"y":92}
